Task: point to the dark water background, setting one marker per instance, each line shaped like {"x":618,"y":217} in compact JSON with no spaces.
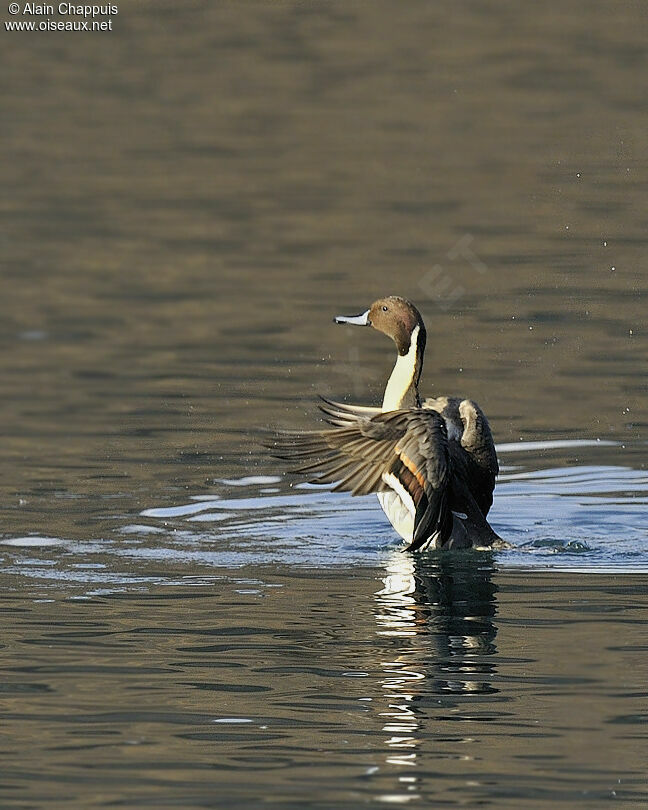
{"x":186,"y":202}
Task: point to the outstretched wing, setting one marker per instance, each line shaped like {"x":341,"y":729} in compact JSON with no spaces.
{"x":367,"y":450}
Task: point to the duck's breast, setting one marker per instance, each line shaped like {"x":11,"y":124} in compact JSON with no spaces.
{"x":399,"y":507}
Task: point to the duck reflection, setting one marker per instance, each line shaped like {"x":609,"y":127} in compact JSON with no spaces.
{"x":435,"y":614}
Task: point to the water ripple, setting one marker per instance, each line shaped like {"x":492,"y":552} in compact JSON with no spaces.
{"x":586,"y":516}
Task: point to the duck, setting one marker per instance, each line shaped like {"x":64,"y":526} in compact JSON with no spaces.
{"x":432,"y":462}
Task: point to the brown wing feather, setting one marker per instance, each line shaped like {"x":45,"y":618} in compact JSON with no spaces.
{"x":365,"y":445}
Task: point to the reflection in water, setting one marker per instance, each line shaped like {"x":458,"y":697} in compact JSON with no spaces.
{"x":458,"y":598}
{"x":437,"y":613}
{"x":397,"y":617}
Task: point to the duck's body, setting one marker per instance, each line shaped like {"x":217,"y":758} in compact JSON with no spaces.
{"x":432,"y":463}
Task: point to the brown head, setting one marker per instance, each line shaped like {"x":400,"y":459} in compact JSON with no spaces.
{"x":396,"y":317}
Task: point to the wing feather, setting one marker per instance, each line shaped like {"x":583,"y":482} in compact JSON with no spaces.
{"x":364,"y":447}
{"x":471,"y":444}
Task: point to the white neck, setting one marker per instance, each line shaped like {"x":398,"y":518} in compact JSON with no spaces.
{"x":401,"y":391}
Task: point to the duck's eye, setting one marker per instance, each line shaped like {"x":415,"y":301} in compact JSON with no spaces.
{"x":385,"y":309}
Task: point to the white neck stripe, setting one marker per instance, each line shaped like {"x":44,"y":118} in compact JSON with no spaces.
{"x":402,"y":379}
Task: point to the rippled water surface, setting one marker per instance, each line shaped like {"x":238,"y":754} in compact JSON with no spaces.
{"x":260,"y":643}
{"x":187,"y":202}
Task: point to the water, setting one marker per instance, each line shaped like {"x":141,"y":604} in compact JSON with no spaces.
{"x":188,"y":201}
{"x":285,"y":634}
{"x":585,"y":517}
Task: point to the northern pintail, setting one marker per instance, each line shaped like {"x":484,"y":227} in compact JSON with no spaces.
{"x":431,"y":462}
